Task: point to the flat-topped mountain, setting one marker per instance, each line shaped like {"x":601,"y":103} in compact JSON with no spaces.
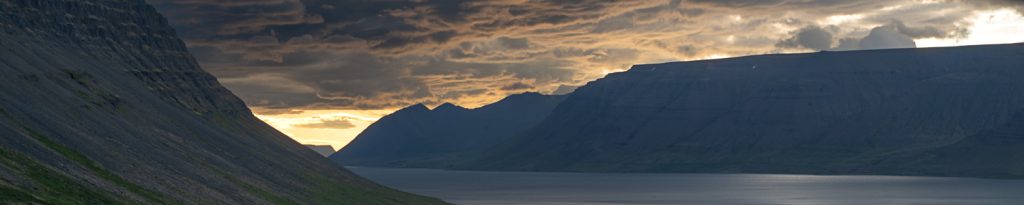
{"x":931,"y":111}
{"x":420,"y":137}
{"x":101,"y":103}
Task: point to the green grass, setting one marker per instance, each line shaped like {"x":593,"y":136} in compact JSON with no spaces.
{"x":52,"y":187}
{"x":264,"y":194}
{"x":57,"y":188}
{"x":92,"y":166}
{"x":327,"y":191}
{"x":10,"y":196}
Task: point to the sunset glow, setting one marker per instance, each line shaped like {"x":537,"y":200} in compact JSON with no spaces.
{"x":313,"y":126}
{"x":986,"y":27}
{"x":351,"y":66}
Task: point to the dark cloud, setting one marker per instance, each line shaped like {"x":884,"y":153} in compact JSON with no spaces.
{"x":812,"y":37}
{"x":995,"y":4}
{"x":687,"y":50}
{"x":514,"y":43}
{"x":742,"y":3}
{"x":208,"y":19}
{"x":921,"y":32}
{"x":296,"y":54}
{"x":895,"y":34}
{"x":517,"y":86}
{"x":277,"y":111}
{"x":328,"y":124}
{"x":810,"y":6}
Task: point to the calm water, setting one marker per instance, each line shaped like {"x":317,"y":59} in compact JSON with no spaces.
{"x":471,"y":187}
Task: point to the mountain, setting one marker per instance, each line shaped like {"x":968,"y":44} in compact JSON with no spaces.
{"x":101,"y":103}
{"x":325,"y":150}
{"x":419,"y":137}
{"x":932,"y":111}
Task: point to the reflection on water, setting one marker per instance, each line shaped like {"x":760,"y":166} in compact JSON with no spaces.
{"x":471,"y":187}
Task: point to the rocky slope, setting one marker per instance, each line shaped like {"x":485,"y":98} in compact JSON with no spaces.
{"x":932,"y":111}
{"x":100,"y":103}
{"x":419,"y":137}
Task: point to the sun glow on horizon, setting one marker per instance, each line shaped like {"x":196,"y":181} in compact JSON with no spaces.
{"x":299,"y":127}
{"x":338,"y":127}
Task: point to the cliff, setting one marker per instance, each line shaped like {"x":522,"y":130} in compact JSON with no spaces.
{"x":101,"y":103}
{"x":930,"y":111}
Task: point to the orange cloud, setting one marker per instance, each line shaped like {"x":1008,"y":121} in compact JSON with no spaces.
{"x":290,"y":54}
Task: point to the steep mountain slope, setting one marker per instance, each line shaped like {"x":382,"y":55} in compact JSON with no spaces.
{"x":419,"y":137}
{"x":325,"y":150}
{"x":100,"y":103}
{"x":993,"y":153}
{"x":826,"y":112}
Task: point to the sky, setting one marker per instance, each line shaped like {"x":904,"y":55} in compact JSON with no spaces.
{"x":321,"y":71}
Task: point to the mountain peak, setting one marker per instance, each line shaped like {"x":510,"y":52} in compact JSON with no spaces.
{"x":445,"y":134}
{"x":522,"y":99}
{"x":527,"y":94}
{"x":417,"y":108}
{"x":448,"y":107}
{"x":522,"y":96}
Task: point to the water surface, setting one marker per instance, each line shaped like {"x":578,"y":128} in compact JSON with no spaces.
{"x":543,"y":188}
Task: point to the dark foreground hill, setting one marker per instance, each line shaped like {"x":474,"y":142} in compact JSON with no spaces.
{"x":419,"y":137}
{"x":932,"y":111}
{"x":100,"y":103}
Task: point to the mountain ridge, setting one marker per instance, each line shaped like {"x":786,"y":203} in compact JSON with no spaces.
{"x":419,"y":137}
{"x":101,"y":103}
{"x":851,"y":112}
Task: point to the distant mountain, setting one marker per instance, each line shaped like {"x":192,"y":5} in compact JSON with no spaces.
{"x":325,"y":150}
{"x":931,"y":111}
{"x":419,"y":137}
{"x":101,"y":103}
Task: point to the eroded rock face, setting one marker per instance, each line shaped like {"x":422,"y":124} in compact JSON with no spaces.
{"x":447,"y":135}
{"x":100,"y":103}
{"x":827,"y":112}
{"x":133,"y":34}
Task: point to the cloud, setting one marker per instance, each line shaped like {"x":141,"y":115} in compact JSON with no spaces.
{"x":885,"y":37}
{"x":514,"y":43}
{"x":894,"y":34}
{"x":261,"y":111}
{"x":996,"y":4}
{"x":922,"y":32}
{"x":328,"y":124}
{"x":355,"y":54}
{"x":211,"y":18}
{"x":812,"y":37}
{"x":517,"y":86}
